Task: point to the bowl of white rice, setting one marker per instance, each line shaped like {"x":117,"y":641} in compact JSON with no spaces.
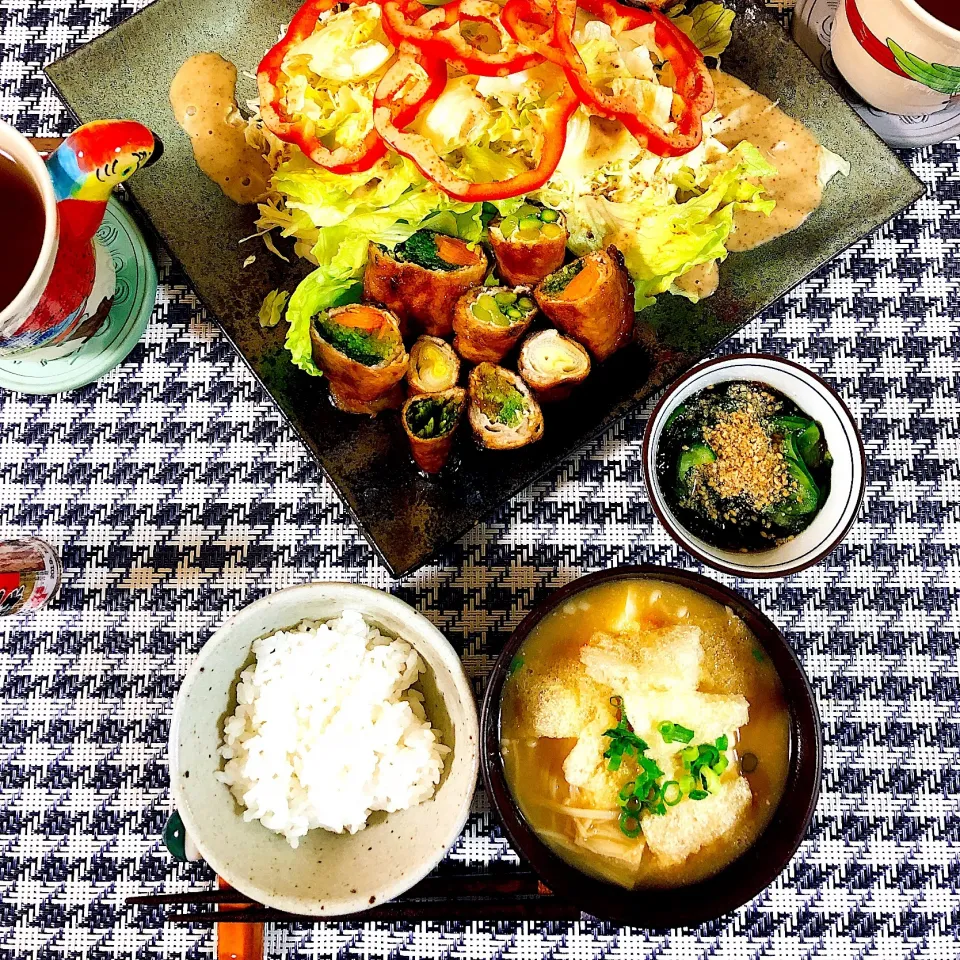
{"x":324,"y":749}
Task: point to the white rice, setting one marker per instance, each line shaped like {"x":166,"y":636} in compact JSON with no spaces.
{"x":327,"y":729}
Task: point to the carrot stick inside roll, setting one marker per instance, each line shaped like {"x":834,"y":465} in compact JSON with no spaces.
{"x":503,"y":412}
{"x":489,"y":321}
{"x":361,"y":352}
{"x":430,"y":422}
{"x":591,"y":300}
{"x":421,"y":279}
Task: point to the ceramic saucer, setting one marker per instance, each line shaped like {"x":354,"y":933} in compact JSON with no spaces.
{"x":58,"y":369}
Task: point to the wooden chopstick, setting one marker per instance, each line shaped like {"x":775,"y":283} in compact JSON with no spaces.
{"x":550,"y":908}
{"x":45,"y":144}
{"x":465,"y":885}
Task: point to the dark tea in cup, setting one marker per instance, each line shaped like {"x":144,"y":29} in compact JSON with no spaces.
{"x":946,"y":11}
{"x":22,"y":215}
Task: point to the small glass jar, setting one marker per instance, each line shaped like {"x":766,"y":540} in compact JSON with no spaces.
{"x":30,"y":572}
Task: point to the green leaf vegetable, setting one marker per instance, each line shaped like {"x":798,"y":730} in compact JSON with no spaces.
{"x":271,"y":311}
{"x":708,"y":25}
{"x":944,"y":79}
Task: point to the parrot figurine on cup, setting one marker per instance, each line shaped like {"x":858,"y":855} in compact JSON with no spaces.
{"x":71,"y":289}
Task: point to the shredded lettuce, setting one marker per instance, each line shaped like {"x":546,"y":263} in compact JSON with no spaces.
{"x":661,"y":240}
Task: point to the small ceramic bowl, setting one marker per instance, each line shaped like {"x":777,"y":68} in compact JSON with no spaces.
{"x":737,"y":883}
{"x":814,"y":397}
{"x":328,"y":874}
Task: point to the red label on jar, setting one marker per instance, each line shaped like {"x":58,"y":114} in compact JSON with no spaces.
{"x":8,"y":583}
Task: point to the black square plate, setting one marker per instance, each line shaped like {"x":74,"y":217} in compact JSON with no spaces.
{"x":407,"y":518}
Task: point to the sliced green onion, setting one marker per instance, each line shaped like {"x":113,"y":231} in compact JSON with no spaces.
{"x":687,"y":784}
{"x":711,"y":780}
{"x":671,"y":793}
{"x":629,"y":825}
{"x":675,"y":733}
{"x":721,"y":765}
{"x":626,"y":791}
{"x":698,"y":794}
{"x":723,"y":743}
{"x":690,"y":754}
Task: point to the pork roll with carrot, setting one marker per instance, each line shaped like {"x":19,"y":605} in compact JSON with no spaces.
{"x":503,"y":413}
{"x":529,"y":245}
{"x":489,"y":322}
{"x":591,"y":300}
{"x":430,"y":421}
{"x":552,"y":365}
{"x":434,"y":366}
{"x":421,"y":279}
{"x":361,"y":352}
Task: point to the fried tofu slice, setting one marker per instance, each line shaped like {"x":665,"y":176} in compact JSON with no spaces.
{"x":694,"y":824}
{"x":604,"y":838}
{"x":558,"y":703}
{"x":664,"y":659}
{"x":708,"y":715}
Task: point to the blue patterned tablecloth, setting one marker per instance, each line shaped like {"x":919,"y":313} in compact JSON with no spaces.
{"x":176,"y":495}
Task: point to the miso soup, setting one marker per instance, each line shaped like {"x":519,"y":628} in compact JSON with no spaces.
{"x":645,"y":734}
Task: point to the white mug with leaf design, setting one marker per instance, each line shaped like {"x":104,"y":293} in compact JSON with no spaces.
{"x":901,"y":56}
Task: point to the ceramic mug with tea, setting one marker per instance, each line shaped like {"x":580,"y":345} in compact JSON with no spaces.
{"x":901,"y":56}
{"x":58,"y":282}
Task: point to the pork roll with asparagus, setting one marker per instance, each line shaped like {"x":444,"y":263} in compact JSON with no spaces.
{"x":430,"y":421}
{"x":421,"y":279}
{"x":434,"y":366}
{"x":552,"y":365}
{"x":503,"y":413}
{"x":361,"y":352}
{"x":489,"y":322}
{"x":591,"y":300}
{"x":529,"y":245}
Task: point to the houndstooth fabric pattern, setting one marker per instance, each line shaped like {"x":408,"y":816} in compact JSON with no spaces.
{"x":176,"y":495}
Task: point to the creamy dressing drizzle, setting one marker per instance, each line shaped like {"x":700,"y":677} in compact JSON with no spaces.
{"x":204,"y":100}
{"x":790,"y":147}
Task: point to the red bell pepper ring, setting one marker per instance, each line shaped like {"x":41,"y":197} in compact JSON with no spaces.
{"x":391,"y":115}
{"x":438,"y":33}
{"x":694,"y":86}
{"x":530,"y":22}
{"x":299,"y":132}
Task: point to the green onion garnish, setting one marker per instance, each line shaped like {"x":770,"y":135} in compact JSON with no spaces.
{"x":675,"y":733}
{"x":671,"y":793}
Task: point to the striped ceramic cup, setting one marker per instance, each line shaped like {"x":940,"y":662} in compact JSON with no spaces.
{"x":897,"y":56}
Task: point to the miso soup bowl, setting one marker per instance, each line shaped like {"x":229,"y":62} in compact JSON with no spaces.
{"x":737,"y":883}
{"x":815,"y":397}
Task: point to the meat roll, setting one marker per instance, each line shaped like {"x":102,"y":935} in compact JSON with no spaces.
{"x":422,"y":279}
{"x":430,"y":420}
{"x":503,"y":412}
{"x":489,"y":321}
{"x":552,"y":365}
{"x":434,"y":366}
{"x":591,"y":300}
{"x":529,"y":245}
{"x":360,"y":350}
